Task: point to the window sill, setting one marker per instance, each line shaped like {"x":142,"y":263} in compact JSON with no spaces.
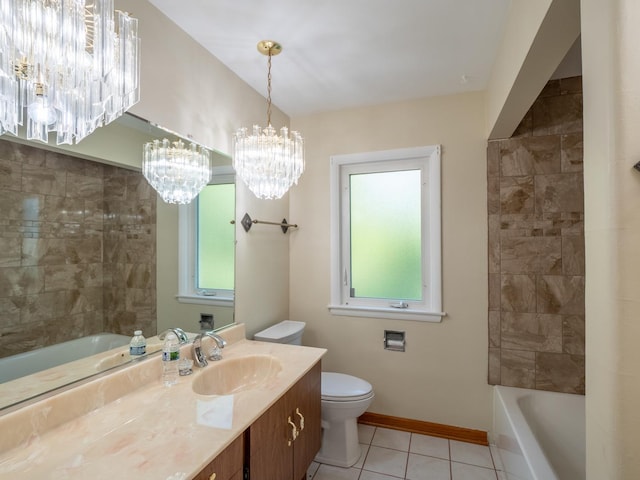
{"x":391,"y":313}
{"x":205,"y":300}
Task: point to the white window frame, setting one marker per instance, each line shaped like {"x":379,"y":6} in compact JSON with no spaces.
{"x":430,"y":309}
{"x":187,"y":246}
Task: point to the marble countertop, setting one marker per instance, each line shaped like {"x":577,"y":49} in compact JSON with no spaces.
{"x":129,"y":425}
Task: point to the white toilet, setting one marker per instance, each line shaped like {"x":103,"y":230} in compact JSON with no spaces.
{"x":344,"y":399}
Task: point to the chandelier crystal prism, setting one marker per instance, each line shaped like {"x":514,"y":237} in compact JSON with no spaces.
{"x":68,"y":66}
{"x":267,"y":162}
{"x":177,"y":172}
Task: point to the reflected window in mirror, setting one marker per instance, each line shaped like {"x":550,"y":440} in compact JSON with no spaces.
{"x":207,"y":244}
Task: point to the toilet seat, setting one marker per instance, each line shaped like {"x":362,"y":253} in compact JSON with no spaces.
{"x":339,"y":387}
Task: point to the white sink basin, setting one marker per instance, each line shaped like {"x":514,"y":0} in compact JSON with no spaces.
{"x":234,"y":375}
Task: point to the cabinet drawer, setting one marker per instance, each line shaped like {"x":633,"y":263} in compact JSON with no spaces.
{"x":226,"y":466}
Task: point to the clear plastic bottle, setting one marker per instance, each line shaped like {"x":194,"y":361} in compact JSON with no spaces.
{"x":138,"y":344}
{"x":170,"y":358}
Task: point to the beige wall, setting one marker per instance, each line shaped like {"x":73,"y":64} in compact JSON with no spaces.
{"x":442,"y":377}
{"x":209,"y":103}
{"x":611,"y":82}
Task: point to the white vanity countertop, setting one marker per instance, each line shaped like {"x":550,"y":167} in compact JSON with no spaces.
{"x":101,"y":431}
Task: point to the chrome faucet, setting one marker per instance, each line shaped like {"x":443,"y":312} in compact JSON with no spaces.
{"x":178,"y":332}
{"x":199,"y":357}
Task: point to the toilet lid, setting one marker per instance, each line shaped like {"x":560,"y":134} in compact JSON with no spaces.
{"x":339,"y":387}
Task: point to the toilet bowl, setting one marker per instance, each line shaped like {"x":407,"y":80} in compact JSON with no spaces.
{"x":344,"y":399}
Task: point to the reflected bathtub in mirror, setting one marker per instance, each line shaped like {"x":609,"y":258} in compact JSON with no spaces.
{"x":78,"y":249}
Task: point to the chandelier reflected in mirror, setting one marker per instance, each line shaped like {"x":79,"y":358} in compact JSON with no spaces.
{"x":68,"y":66}
{"x":267,"y":162}
{"x":176,"y":171}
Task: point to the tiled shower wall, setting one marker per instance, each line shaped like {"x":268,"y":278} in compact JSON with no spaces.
{"x":536,"y":246}
{"x":59,"y":262}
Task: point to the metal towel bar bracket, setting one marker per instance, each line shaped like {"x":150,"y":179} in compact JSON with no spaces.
{"x":247,"y":223}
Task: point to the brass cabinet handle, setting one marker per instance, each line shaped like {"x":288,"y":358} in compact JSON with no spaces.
{"x":294,"y":431}
{"x":212,"y":477}
{"x":301,"y":419}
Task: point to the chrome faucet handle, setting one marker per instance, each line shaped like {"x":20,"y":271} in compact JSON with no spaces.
{"x":178,"y":332}
{"x":199,"y":356}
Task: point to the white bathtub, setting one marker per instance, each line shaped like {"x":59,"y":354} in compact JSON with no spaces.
{"x":27,"y":363}
{"x":539,"y":435}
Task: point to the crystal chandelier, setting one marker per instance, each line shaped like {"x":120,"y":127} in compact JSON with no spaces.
{"x":68,"y":66}
{"x":176,"y":172}
{"x":267,"y":162}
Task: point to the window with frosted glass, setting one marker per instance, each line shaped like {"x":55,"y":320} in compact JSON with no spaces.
{"x":215,"y":240}
{"x":385,"y":229}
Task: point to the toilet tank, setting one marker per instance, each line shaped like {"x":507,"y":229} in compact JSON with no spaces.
{"x":287,"y":331}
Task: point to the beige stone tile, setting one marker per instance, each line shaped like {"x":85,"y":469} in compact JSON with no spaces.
{"x":531,"y":255}
{"x":43,"y":181}
{"x":573,"y":335}
{"x":571,"y":85}
{"x":494,"y":329}
{"x":560,"y":372}
{"x":551,"y":89}
{"x":557,"y":115}
{"x":530,"y":156}
{"x":560,"y":294}
{"x":559,"y":193}
{"x":518,"y":368}
{"x":10,"y":175}
{"x":66,"y":163}
{"x":518,"y":293}
{"x":73,"y":276}
{"x":494,"y":244}
{"x":517,"y":195}
{"x":10,"y":312}
{"x":15,"y":281}
{"x":532,"y":332}
{"x":493,"y":195}
{"x":83,"y":186}
{"x":493,"y":158}
{"x":494,"y":291}
{"x":494,"y":366}
{"x":140,"y":275}
{"x":572,"y":153}
{"x":21,"y":153}
{"x":573,"y":255}
{"x":10,"y":252}
{"x":525,"y":127}
{"x":62,"y":210}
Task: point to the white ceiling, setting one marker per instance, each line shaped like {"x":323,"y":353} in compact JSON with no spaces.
{"x":345,"y":53}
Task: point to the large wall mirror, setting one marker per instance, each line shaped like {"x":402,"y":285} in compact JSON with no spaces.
{"x":88,"y":254}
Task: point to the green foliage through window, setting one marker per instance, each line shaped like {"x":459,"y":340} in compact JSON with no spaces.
{"x":216,"y":240}
{"x":385,"y":229}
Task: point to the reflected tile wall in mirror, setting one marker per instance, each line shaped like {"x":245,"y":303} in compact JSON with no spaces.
{"x":77,"y":249}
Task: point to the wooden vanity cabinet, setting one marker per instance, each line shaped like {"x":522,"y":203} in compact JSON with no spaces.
{"x":226,"y":466}
{"x":274,"y":453}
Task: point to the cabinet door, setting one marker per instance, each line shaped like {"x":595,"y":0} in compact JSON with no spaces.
{"x":305,"y":397}
{"x":271,"y":445}
{"x":274,"y":453}
{"x":226,"y":466}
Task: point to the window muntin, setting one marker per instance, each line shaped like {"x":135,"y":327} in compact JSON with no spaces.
{"x":355,"y":257}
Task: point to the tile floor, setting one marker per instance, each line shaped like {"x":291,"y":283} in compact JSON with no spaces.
{"x":391,"y":454}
